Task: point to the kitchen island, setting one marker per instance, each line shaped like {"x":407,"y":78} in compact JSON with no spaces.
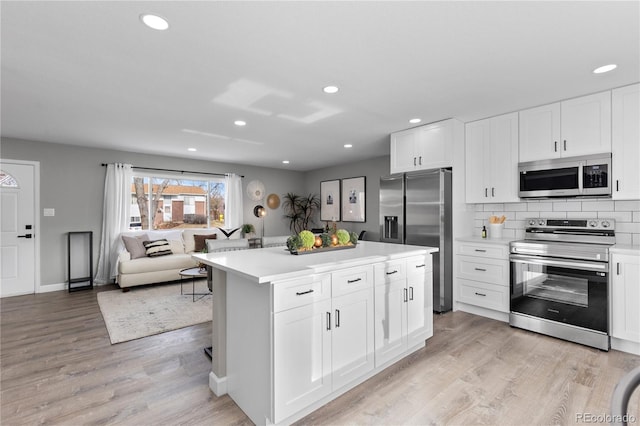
{"x":291,"y":333}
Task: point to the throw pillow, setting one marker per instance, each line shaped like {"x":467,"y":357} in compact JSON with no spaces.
{"x":134,"y":245}
{"x":157,"y":248}
{"x":199,"y":240}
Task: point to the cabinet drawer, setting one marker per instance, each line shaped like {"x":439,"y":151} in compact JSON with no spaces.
{"x":299,"y":292}
{"x":484,"y":250}
{"x":389,"y":271}
{"x":492,"y":271}
{"x":484,"y":295}
{"x":350,"y":280}
{"x":419,"y":264}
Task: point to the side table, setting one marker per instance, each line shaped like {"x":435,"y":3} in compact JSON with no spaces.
{"x":193,"y":273}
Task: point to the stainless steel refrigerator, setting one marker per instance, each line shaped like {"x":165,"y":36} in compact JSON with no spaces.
{"x":415,"y":208}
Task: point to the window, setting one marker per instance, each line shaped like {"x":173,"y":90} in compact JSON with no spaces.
{"x":7,"y":181}
{"x":167,"y":202}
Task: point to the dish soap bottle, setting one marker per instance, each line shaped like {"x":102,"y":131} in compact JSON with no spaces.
{"x":484,"y":232}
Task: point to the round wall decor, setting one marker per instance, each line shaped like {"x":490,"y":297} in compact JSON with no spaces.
{"x":273,"y":201}
{"x":255,"y":190}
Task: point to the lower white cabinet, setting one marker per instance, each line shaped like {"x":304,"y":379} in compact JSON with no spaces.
{"x":625,"y":295}
{"x":482,"y":274}
{"x":302,"y":349}
{"x":403,"y":306}
{"x":324,"y":345}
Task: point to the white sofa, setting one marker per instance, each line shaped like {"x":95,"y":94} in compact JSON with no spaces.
{"x":149,"y":270}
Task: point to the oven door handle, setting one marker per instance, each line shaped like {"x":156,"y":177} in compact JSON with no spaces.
{"x":589,"y":266}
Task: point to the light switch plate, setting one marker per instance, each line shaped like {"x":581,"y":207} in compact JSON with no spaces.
{"x":49,"y":212}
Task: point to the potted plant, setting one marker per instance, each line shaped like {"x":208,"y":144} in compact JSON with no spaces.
{"x":300,"y":210}
{"x":248,"y":229}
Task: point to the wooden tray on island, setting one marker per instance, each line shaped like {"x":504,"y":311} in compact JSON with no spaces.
{"x":323,"y":249}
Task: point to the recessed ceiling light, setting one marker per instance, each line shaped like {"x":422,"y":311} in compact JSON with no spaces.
{"x":605,"y":68}
{"x":240,"y":123}
{"x":415,"y":120}
{"x":285,"y":161}
{"x":154,"y":21}
{"x":348,"y":145}
{"x":330,"y":89}
{"x":191,"y":149}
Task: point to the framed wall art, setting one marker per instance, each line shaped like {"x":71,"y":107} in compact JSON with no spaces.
{"x":330,"y":200}
{"x":353,"y":199}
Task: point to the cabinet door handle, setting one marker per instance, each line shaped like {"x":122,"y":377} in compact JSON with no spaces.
{"x":617,"y":185}
{"x":493,"y":192}
{"x":420,"y":160}
{"x":337,"y":318}
{"x":555,"y":146}
{"x":328,"y":320}
{"x":565,"y":144}
{"x":486,"y":193}
{"x":405,"y":295}
{"x":414,"y":161}
{"x":617,"y":268}
{"x":392,"y":272}
{"x":25,"y":236}
{"x":354,"y":281}
{"x":421,"y":266}
{"x":480,"y":251}
{"x":480,"y":269}
{"x":410,"y":293}
{"x":300,"y":293}
{"x":480,"y":294}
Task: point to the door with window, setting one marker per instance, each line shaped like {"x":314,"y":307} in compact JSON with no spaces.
{"x":17,"y":227}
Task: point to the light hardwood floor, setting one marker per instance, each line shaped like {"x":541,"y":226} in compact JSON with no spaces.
{"x":58,"y":367}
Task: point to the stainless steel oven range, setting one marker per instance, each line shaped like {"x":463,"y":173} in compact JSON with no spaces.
{"x":560,"y":279}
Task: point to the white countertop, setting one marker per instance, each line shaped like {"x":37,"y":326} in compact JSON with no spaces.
{"x":625,"y":249}
{"x":276,"y":263}
{"x":500,"y":241}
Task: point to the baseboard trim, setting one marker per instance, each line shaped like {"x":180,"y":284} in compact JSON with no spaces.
{"x":52,"y":287}
{"x":484,"y":312}
{"x":217,"y":385}
{"x":625,"y":346}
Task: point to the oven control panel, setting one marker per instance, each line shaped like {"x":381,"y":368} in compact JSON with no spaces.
{"x":571,"y":224}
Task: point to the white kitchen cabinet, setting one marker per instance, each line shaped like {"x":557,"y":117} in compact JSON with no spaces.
{"x":625,"y":296}
{"x":323,"y":345}
{"x":626,"y":142}
{"x":423,"y":148}
{"x":579,"y":126}
{"x":483,"y":275}
{"x":302,"y":361}
{"x":403,"y":306}
{"x":491,"y":153}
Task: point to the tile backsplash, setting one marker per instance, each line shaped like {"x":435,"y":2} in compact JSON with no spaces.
{"x":625,"y":213}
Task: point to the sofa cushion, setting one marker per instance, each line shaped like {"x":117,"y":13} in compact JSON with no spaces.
{"x":153,"y":264}
{"x":134,"y":245}
{"x":188,"y":237}
{"x":157,"y":248}
{"x":199,"y":241}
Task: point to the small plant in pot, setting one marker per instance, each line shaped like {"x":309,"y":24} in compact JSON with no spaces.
{"x":248,"y":230}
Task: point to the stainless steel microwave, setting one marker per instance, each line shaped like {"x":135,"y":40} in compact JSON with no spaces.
{"x":584,"y":176}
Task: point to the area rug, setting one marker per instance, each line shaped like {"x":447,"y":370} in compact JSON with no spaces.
{"x":145,"y":311}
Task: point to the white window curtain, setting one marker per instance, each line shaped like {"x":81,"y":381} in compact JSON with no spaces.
{"x":233,"y":212}
{"x":115,"y":218}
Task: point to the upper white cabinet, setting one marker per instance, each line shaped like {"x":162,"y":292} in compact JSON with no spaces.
{"x":423,"y":148}
{"x":626,"y":142}
{"x":579,"y":126}
{"x":491,"y":153}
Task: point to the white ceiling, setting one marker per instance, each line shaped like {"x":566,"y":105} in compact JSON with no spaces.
{"x":89,"y":73}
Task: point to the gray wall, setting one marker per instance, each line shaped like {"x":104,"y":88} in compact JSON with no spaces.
{"x":372,"y":169}
{"x":72,"y":182}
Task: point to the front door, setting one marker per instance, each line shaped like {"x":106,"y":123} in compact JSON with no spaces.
{"x":17,"y":227}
